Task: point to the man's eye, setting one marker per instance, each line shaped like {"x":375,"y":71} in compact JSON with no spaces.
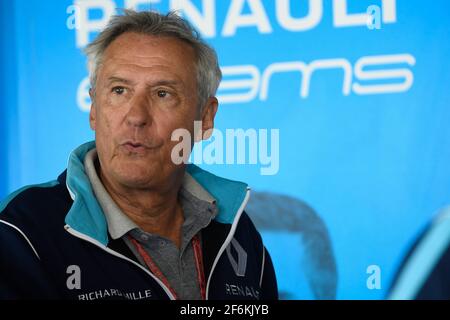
{"x":162,"y":93}
{"x":118,"y":90}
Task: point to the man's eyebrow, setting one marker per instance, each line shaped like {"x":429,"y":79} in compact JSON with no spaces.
{"x":113,"y":79}
{"x":118,"y":79}
{"x":165,"y":83}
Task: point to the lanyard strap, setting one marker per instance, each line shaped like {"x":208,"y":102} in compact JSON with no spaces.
{"x":157,"y":272}
{"x":199,"y":265}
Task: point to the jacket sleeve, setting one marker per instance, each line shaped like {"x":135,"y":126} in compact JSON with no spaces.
{"x":269,"y":286}
{"x":21,"y":272}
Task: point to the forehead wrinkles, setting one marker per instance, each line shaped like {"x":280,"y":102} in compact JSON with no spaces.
{"x":119,"y":64}
{"x":139,"y":46}
{"x":179,"y":62}
{"x":149,"y":76}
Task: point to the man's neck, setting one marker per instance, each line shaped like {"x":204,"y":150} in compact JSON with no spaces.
{"x":154,"y":211}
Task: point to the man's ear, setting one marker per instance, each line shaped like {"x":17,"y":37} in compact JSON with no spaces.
{"x":92,"y":112}
{"x":208,"y":115}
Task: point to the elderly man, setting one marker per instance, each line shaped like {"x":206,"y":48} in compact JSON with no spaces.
{"x":126,"y":220}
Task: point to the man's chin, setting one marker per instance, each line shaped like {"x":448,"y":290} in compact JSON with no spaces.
{"x":137,"y":182}
{"x":137,"y":176}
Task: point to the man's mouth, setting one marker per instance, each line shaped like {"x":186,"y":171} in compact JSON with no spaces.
{"x":136,"y":147}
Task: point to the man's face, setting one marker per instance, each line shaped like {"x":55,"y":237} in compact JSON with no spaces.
{"x":146,"y":88}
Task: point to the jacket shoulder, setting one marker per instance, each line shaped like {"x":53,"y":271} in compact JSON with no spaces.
{"x":36,"y":210}
{"x":34,"y":198}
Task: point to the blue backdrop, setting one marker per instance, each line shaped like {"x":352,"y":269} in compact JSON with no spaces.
{"x":361,"y":112}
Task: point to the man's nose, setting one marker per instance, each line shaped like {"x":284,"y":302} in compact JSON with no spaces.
{"x":139,"y":111}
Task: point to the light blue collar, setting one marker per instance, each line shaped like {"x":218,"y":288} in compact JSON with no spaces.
{"x":86,"y":215}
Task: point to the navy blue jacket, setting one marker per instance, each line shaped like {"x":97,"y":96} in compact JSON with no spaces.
{"x":54,"y":244}
{"x":425,"y":271}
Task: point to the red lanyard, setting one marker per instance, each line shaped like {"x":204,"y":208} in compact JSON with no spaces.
{"x":157,"y":272}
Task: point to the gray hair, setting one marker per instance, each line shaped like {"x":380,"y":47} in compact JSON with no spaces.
{"x":156,"y":24}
